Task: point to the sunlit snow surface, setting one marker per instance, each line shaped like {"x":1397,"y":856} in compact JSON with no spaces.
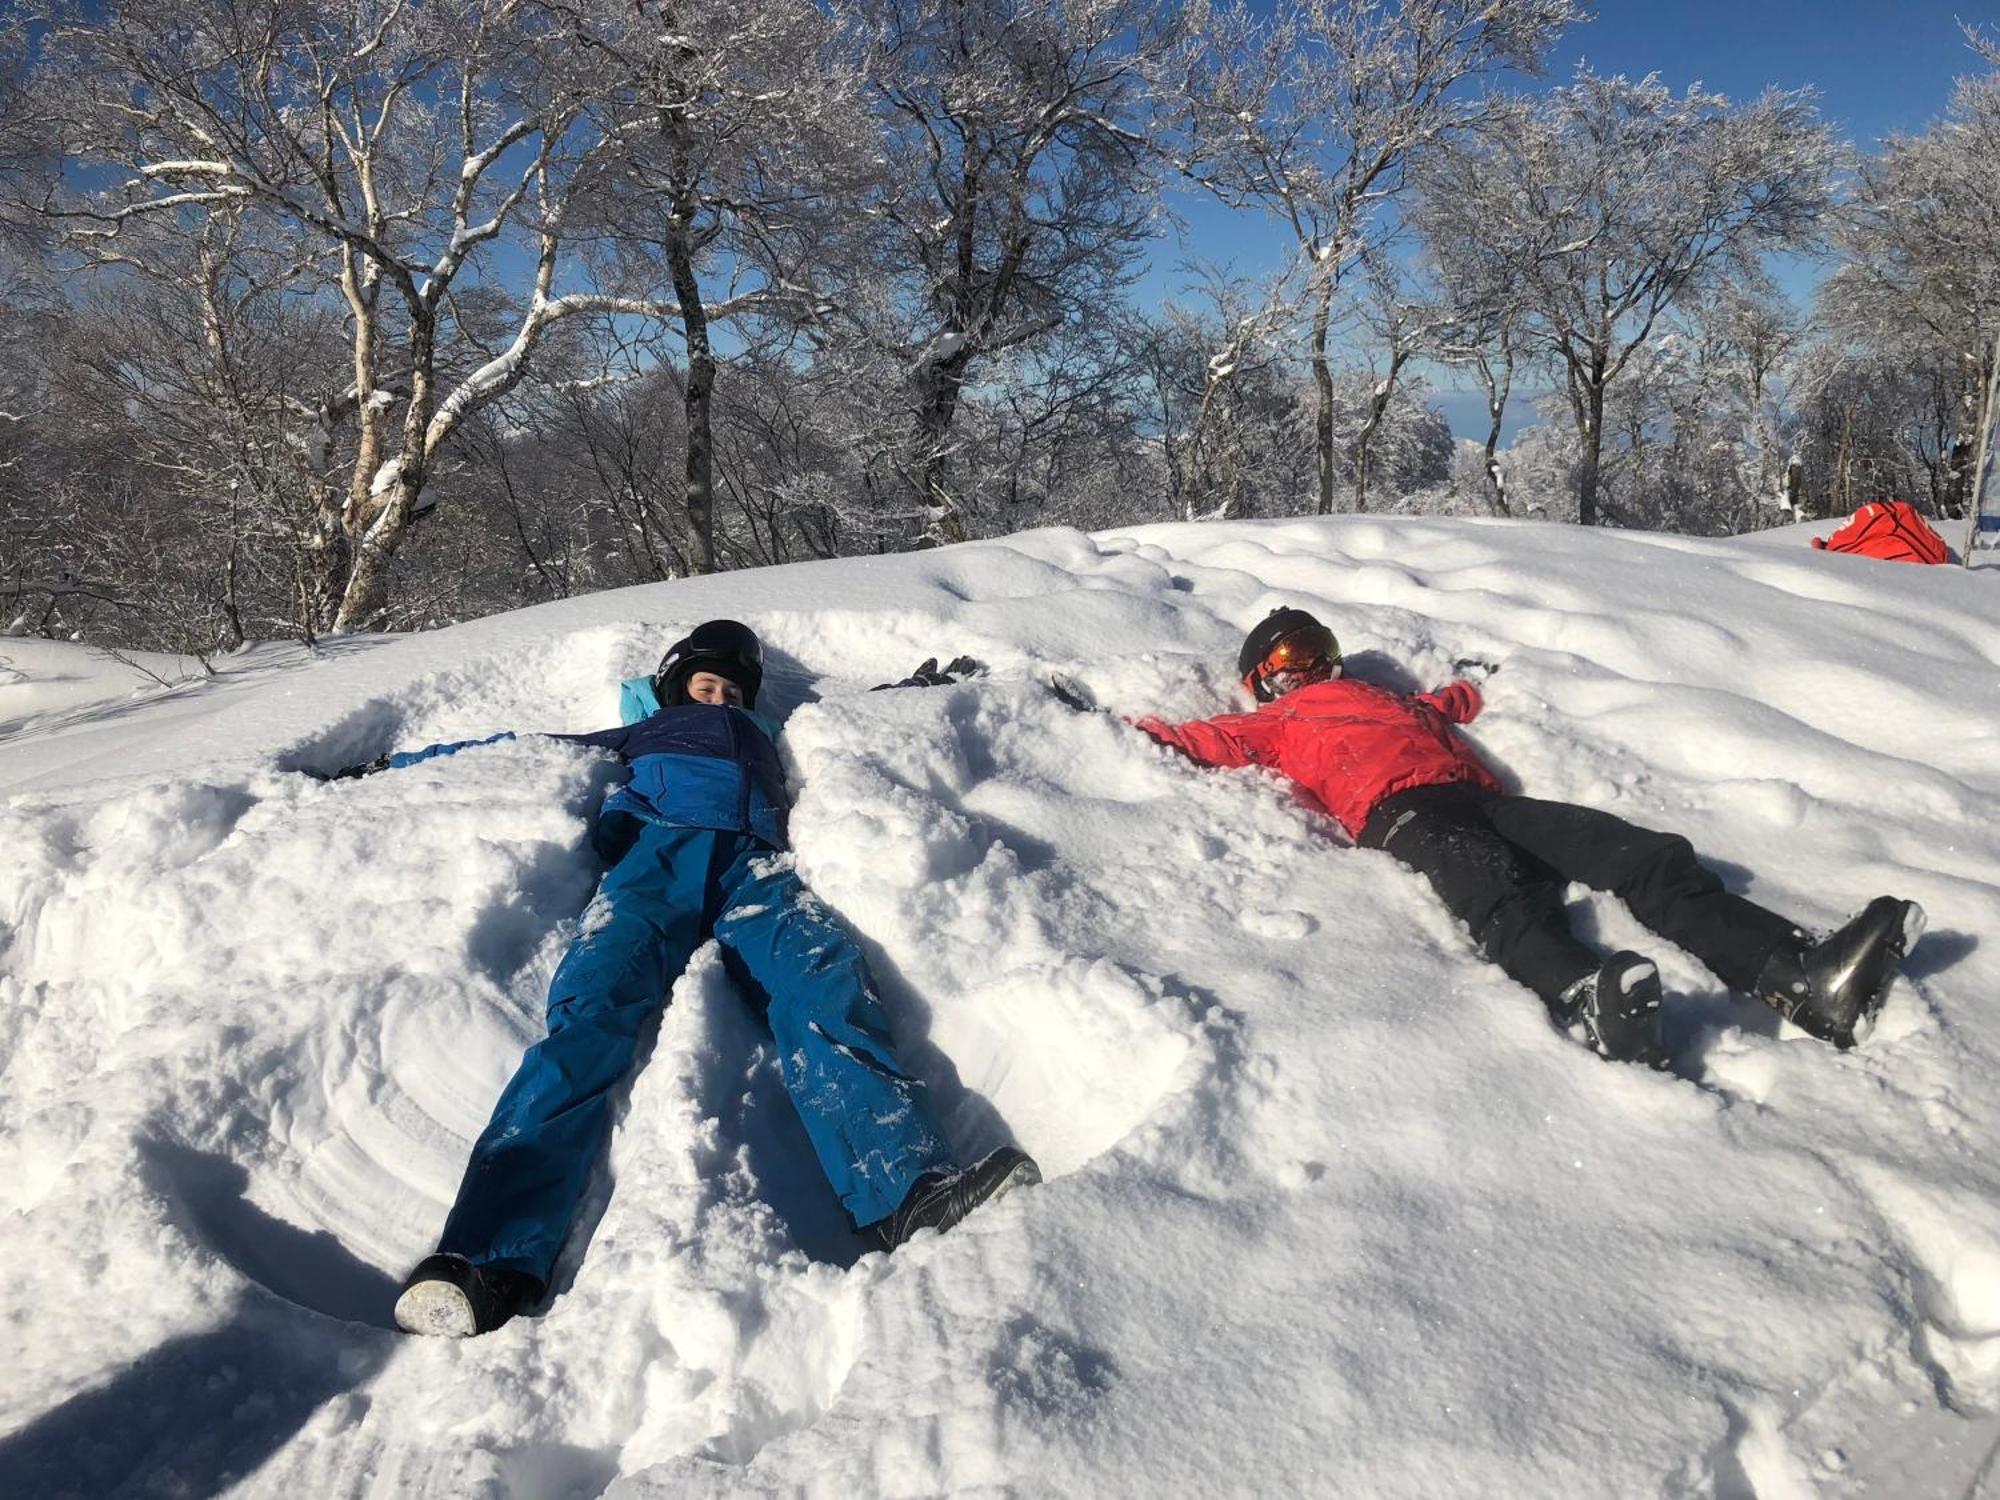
{"x":1331,"y":1209}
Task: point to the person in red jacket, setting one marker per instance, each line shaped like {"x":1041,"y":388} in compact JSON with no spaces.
{"x":1392,"y":771}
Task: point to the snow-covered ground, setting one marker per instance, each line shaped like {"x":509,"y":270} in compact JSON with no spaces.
{"x":1331,"y":1208}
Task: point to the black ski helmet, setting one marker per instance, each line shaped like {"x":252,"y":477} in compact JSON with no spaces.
{"x":1264,"y":637}
{"x":724,"y":647}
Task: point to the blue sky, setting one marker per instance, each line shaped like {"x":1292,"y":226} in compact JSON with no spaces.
{"x":1879,"y":66}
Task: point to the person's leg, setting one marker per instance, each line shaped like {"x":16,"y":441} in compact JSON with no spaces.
{"x":1656,"y":875}
{"x":869,"y":1121}
{"x":530,"y":1165}
{"x":1512,"y":904}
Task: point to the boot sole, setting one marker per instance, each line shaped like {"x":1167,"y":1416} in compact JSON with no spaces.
{"x":1021,"y":1174}
{"x":1914,"y":923}
{"x":436,"y":1309}
{"x":1637,"y":1008}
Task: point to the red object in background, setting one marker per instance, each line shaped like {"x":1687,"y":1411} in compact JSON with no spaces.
{"x":1891,"y":530}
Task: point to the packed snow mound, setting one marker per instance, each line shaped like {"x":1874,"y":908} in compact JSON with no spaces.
{"x":1330,"y":1209}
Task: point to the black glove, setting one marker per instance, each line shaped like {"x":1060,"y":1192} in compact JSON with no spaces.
{"x":1472,"y":669}
{"x":930,"y":674}
{"x":1071,"y":694}
{"x":366,"y":768}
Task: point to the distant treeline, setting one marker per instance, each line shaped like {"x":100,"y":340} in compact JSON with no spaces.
{"x":336,"y":315}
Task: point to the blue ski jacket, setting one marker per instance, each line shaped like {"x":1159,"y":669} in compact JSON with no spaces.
{"x":694,"y":765}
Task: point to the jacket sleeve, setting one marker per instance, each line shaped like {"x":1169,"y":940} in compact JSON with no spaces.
{"x":1457,"y":701}
{"x":404,"y":758}
{"x":1226,"y":740}
{"x":613,"y":740}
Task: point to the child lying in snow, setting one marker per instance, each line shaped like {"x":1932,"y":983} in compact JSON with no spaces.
{"x":1393,"y":773}
{"x":692,"y":837}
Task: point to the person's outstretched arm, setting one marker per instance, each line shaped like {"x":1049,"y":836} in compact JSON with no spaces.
{"x":1226,"y":740}
{"x":396,"y":760}
{"x":616,"y":740}
{"x":613,"y":740}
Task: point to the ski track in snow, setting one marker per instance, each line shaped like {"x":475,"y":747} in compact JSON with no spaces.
{"x":1330,"y":1208}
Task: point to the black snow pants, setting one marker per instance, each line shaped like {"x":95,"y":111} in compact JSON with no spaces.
{"x":1501,"y":863}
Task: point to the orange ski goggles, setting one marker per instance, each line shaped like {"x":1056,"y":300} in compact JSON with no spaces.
{"x":1309,"y":654}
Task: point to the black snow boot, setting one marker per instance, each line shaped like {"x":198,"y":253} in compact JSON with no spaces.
{"x":449,"y":1297}
{"x":938,"y":1200}
{"x":1833,"y":988}
{"x":1618,"y":1009}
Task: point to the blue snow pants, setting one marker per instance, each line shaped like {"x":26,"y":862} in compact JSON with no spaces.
{"x":867,"y":1119}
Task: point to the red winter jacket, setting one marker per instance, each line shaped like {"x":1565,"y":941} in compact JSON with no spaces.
{"x":1347,"y":743}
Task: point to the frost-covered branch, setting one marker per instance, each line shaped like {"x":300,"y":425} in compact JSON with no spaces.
{"x":1607,"y":206}
{"x":1316,"y":114}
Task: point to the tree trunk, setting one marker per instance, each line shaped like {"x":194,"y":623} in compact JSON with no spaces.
{"x":1323,"y":384}
{"x":1376,"y":404}
{"x":232,"y":614}
{"x":1989,"y":395}
{"x":371,"y":416}
{"x":321,"y":561}
{"x":699,"y":494}
{"x":1378,"y":408}
{"x":1955,"y":453}
{"x":1197,"y":486}
{"x":936,"y":407}
{"x":1497,"y":389}
{"x":1841,"y":495}
{"x":367,"y":578}
{"x":1593,"y":449}
{"x":700,"y":473}
{"x":385,"y":518}
{"x":1760,"y":438}
{"x":331,"y":554}
{"x":322,"y":566}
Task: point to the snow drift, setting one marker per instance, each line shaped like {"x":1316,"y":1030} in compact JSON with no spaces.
{"x":1331,"y":1209}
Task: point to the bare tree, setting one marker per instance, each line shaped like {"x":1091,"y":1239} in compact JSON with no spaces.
{"x":1316,"y":115}
{"x":1481,"y":297}
{"x":1614,"y":201}
{"x":1921,"y":277}
{"x":29,"y":154}
{"x":198,"y":367}
{"x":1679,"y":422}
{"x":1757,"y":331}
{"x":389,"y":146}
{"x":1015,"y":200}
{"x":789,"y":466}
{"x":1217,"y":393}
{"x":1401,"y":325}
{"x":1052,"y":434}
{"x":1488,"y":341}
{"x":748,"y":141}
{"x":1867,"y":424}
{"x":27,"y":168}
{"x":1219,"y":400}
{"x":1691,"y":421}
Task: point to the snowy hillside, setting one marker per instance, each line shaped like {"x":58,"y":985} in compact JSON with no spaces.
{"x":1331,"y":1209}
